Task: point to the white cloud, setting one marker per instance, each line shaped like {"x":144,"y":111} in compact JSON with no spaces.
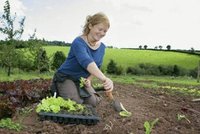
{"x":133,"y":22}
{"x":16,"y":7}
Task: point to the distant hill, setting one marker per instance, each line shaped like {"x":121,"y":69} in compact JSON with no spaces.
{"x":129,"y":57}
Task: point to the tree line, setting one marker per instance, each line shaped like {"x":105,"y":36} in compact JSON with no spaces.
{"x":26,"y":55}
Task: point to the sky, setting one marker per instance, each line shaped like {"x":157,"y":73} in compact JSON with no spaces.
{"x":133,"y":22}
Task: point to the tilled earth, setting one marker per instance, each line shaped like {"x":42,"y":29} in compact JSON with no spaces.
{"x":144,"y":104}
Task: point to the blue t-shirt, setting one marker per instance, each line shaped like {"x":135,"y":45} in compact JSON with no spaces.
{"x":79,"y":57}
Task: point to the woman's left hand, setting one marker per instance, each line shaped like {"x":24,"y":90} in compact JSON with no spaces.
{"x":87,"y":83}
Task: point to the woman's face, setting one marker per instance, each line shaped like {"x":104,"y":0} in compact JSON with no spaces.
{"x":98,"y":31}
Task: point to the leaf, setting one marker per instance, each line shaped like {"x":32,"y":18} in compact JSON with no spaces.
{"x":125,"y":114}
{"x":147,"y":127}
{"x":82,"y":81}
{"x":154,"y":122}
{"x":52,"y":104}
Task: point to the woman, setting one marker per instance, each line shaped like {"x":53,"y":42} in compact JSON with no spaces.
{"x":84,"y":60}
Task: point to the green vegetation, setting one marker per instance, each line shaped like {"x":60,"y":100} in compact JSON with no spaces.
{"x":149,"y":125}
{"x":124,"y":112}
{"x":18,"y":75}
{"x":133,"y":79}
{"x":9,"y":124}
{"x":58,"y":59}
{"x":82,"y":81}
{"x":53,"y":49}
{"x":125,"y":57}
{"x":55,"y":105}
{"x":183,"y":85}
{"x":9,"y":55}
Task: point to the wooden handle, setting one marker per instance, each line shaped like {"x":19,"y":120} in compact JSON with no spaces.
{"x":110,"y":96}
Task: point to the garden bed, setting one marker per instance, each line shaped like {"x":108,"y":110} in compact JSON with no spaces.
{"x":145,"y":104}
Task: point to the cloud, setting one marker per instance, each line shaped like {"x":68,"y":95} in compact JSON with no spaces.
{"x":16,"y":7}
{"x":133,"y":22}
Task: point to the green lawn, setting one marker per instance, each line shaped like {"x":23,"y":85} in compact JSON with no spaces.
{"x":126,"y":58}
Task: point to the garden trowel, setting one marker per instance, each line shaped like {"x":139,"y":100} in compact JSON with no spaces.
{"x":115,"y":103}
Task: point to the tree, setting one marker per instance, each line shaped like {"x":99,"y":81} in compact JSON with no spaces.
{"x":145,"y":46}
{"x":42,"y":61}
{"x":111,"y":67}
{"x":140,"y":47}
{"x":58,"y":59}
{"x":160,"y":47}
{"x":9,"y":54}
{"x":176,"y":70}
{"x":192,"y":50}
{"x":168,"y":47}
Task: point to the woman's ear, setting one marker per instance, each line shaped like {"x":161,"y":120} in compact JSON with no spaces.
{"x":90,"y":26}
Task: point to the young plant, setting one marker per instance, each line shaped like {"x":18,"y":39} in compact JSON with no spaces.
{"x":82,"y":81}
{"x":149,"y":125}
{"x":8,"y":123}
{"x":180,"y":117}
{"x":55,"y":105}
{"x":124,"y":113}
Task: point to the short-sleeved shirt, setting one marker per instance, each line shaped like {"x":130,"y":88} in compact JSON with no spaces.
{"x":79,"y":57}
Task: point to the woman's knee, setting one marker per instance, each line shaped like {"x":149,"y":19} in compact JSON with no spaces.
{"x":93,"y":100}
{"x":68,"y":90}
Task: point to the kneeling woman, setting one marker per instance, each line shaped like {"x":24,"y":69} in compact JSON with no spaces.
{"x":84,"y":60}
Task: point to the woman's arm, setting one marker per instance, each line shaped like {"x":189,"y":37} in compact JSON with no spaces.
{"x":95,"y":71}
{"x":90,"y":77}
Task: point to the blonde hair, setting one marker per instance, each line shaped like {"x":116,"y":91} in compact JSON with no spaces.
{"x":94,"y":20}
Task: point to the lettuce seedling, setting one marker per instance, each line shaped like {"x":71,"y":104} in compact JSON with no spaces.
{"x":149,"y":125}
{"x":124,"y":113}
{"x":52,"y":104}
{"x":8,"y":123}
{"x":82,"y":81}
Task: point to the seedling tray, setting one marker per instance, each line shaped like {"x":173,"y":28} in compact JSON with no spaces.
{"x":67,"y":118}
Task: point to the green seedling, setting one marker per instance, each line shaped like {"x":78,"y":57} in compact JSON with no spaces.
{"x":149,"y":125}
{"x":82,"y":81}
{"x":124,"y":112}
{"x":9,"y":124}
{"x":180,"y":117}
{"x":55,"y":105}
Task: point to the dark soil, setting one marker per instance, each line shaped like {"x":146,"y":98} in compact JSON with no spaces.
{"x":144,"y":104}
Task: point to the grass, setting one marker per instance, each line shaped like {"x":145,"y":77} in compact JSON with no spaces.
{"x":185,"y":85}
{"x":127,"y":79}
{"x":173,"y":85}
{"x":126,"y":57}
{"x":20,"y":75}
{"x":131,"y":79}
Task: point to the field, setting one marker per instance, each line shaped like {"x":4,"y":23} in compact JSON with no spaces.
{"x":146,"y":98}
{"x":129,"y":58}
{"x":174,"y":101}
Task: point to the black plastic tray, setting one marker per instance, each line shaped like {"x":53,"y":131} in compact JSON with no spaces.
{"x":70,"y":118}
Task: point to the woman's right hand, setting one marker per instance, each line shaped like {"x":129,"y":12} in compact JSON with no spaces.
{"x":108,"y":84}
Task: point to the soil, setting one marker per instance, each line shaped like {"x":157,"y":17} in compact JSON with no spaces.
{"x":144,"y":104}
